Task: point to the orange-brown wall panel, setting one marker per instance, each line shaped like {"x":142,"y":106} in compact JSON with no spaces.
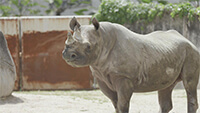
{"x":43,"y":40}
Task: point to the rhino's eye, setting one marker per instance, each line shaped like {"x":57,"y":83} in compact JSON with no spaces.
{"x":67,"y":46}
{"x":88,"y":47}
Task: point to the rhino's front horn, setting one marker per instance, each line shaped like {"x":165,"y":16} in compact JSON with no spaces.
{"x":69,"y":34}
{"x":70,"y":39}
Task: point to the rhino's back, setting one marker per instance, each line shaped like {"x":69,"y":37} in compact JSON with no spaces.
{"x":151,"y":55}
{"x":169,"y":43}
{"x":169,"y":46}
{"x":169,"y":37}
{"x":155,"y":48}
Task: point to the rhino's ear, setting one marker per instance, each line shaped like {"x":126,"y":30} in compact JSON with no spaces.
{"x":70,"y":39}
{"x":95,"y":23}
{"x":74,"y":23}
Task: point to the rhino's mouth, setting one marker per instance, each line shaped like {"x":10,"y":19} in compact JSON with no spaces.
{"x":75,"y":63}
{"x":71,"y":62}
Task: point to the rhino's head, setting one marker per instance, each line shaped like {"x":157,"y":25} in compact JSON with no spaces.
{"x":82,"y":47}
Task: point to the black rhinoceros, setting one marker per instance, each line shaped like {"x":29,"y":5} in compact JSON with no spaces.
{"x":7,"y":69}
{"x":124,"y":62}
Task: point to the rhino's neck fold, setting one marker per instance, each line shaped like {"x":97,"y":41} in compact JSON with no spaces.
{"x":107,"y":42}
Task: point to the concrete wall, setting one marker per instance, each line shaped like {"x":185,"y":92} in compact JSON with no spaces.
{"x":189,"y":29}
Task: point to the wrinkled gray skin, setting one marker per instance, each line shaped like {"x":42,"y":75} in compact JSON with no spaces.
{"x":124,"y":62}
{"x":7,"y":69}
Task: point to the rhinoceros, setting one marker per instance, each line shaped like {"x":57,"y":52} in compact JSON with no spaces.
{"x":7,"y":69}
{"x":124,"y":62}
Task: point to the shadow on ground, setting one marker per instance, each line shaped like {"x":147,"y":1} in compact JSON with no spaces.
{"x":10,"y":100}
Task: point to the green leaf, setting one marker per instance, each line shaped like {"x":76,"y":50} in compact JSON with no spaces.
{"x":48,"y":11}
{"x":86,"y":2}
{"x":73,"y":1}
{"x":15,"y":2}
{"x":58,"y":3}
{"x":80,"y":12}
{"x":162,"y":2}
{"x":146,"y":1}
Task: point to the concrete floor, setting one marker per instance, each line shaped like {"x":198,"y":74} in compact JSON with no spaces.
{"x":85,"y":102}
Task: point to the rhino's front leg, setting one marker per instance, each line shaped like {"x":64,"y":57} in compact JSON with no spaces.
{"x":108,"y":92}
{"x":124,"y":93}
{"x":165,"y":99}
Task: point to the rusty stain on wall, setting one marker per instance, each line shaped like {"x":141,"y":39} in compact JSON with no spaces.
{"x":13,"y":45}
{"x":43,"y":66}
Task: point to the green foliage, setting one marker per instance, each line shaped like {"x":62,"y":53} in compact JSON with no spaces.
{"x":80,"y":12}
{"x":183,"y":10}
{"x":145,"y":1}
{"x":196,"y":1}
{"x":162,"y":1}
{"x":59,"y":6}
{"x":58,"y":3}
{"x":127,"y":12}
{"x":150,"y":1}
{"x":86,"y":2}
{"x":24,"y":7}
{"x":5,"y":10}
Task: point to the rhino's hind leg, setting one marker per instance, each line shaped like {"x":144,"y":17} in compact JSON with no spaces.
{"x":190,"y":85}
{"x":165,"y":100}
{"x":191,"y":90}
{"x":190,"y":77}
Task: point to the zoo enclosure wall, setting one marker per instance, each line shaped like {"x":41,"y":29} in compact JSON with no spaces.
{"x":36,"y":45}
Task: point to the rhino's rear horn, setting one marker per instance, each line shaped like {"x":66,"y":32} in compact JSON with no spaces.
{"x":74,"y":23}
{"x":95,"y":23}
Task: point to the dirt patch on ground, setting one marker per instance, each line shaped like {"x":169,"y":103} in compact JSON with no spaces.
{"x":84,"y":102}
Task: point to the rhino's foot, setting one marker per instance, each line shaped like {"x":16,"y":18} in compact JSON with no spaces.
{"x":192,"y":103}
{"x":191,"y":91}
